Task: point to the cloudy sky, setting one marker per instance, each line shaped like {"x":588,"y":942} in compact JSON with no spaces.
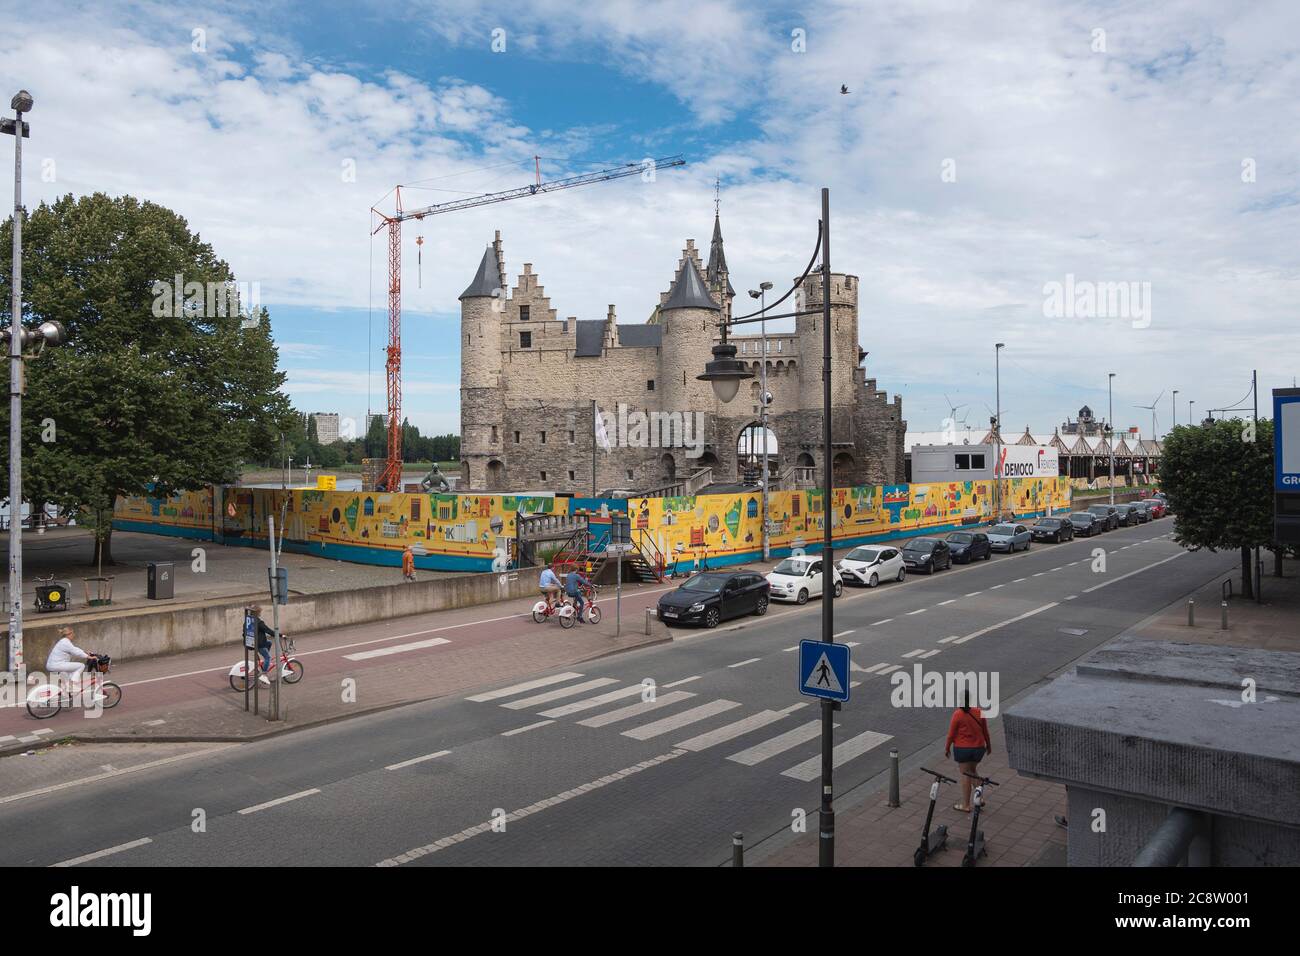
{"x":984,"y":152}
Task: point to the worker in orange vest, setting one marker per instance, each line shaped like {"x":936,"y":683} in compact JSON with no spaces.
{"x":408,"y":563}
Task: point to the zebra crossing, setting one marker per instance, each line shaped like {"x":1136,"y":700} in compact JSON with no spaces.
{"x":635,"y":712}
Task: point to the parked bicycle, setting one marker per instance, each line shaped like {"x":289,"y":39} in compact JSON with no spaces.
{"x":46,"y":700}
{"x":291,"y":669}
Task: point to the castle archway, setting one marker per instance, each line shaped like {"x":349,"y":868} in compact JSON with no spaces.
{"x":843,"y":468}
{"x":495,"y":475}
{"x":668,"y":466}
{"x":751,"y":442}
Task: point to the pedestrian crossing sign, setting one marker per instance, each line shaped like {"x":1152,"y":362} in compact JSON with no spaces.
{"x":824,"y":670}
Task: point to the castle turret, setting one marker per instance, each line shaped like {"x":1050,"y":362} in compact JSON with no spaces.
{"x":717,"y":274}
{"x":690,"y":318}
{"x":844,"y":340}
{"x":482,"y":307}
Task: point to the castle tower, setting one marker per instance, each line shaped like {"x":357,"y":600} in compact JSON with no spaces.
{"x":717,"y":273}
{"x":844,"y":340}
{"x":689,"y":315}
{"x":482,"y":307}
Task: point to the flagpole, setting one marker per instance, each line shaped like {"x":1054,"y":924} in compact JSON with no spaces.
{"x":593,"y":448}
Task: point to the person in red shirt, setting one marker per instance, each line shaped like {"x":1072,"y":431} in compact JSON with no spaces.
{"x":968,"y":742}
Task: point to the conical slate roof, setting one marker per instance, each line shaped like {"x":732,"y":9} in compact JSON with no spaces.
{"x":689,"y":291}
{"x":488,"y":280}
{"x":718,"y":258}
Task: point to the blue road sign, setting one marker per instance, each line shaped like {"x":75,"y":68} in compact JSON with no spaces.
{"x":824,"y":670}
{"x":1286,"y":440}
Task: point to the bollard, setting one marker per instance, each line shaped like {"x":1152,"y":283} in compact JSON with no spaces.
{"x":737,"y":849}
{"x":1223,"y":621}
{"x":893,"y":779}
{"x":649,"y":612}
{"x":1191,"y":613}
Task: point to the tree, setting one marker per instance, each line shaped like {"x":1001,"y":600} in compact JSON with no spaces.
{"x":152,"y":394}
{"x":1219,"y":479}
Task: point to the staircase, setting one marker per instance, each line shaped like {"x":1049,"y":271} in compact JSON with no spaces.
{"x":648,"y":562}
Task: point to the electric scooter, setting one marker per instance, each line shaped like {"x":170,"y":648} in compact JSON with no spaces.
{"x":975,"y":845}
{"x":931,"y":844}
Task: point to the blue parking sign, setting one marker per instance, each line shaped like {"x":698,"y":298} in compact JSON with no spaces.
{"x":824,"y":670}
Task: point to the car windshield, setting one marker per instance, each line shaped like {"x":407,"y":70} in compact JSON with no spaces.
{"x":1007,"y":529}
{"x":1048,"y":522}
{"x":1099,"y":509}
{"x":958,"y":537}
{"x":863,"y":554}
{"x":791,"y":566}
{"x":710,"y":583}
{"x":920,"y":544}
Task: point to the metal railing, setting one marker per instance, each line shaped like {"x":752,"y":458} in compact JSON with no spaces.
{"x":1172,"y":842}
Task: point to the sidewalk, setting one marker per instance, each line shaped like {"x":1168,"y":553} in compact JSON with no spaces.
{"x":1018,"y":823}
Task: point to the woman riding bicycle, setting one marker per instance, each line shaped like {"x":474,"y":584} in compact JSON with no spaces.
{"x":66,"y":657}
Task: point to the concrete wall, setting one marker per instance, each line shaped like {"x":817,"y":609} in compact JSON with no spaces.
{"x":149,"y":631}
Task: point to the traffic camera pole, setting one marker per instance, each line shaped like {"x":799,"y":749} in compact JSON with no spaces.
{"x":826,"y":820}
{"x":16,"y":664}
{"x":275,"y":622}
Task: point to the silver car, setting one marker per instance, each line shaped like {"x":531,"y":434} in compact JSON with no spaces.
{"x":1010,"y":537}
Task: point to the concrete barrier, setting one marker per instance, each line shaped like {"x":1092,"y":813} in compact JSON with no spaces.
{"x":147,"y":632}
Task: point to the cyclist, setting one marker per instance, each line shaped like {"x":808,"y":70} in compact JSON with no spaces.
{"x":264,"y":635}
{"x":574,"y":582}
{"x":64,"y":656}
{"x":549,"y":585}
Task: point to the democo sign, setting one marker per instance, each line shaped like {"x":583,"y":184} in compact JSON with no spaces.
{"x":1027,"y":461}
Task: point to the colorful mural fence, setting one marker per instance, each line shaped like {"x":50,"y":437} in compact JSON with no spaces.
{"x":470,"y":532}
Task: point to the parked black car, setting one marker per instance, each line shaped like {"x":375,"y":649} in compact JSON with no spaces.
{"x":1053,"y":529}
{"x":1108,"y":514}
{"x":927,"y":554}
{"x":713,"y":596}
{"x":968,"y":546}
{"x":1086,"y":523}
{"x":1128,"y":515}
{"x":1143,"y":511}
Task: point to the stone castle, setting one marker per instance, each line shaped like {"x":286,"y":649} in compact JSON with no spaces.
{"x":529,"y":380}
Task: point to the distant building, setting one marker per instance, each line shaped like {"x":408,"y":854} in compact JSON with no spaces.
{"x":327,"y":427}
{"x":1086,"y":425}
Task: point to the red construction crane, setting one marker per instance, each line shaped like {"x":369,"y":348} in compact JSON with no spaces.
{"x":390,"y":478}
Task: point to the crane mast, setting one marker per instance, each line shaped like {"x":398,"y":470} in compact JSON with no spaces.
{"x":390,"y":479}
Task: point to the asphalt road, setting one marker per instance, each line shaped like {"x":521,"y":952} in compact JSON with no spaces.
{"x":582,"y":769}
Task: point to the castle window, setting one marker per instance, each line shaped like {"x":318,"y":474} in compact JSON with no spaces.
{"x":523,"y":313}
{"x":543,"y":476}
{"x":572,"y":436}
{"x":572,"y":475}
{"x":629,"y":473}
{"x":650,"y":385}
{"x":780,"y":345}
{"x":525,"y":340}
{"x":543,"y":434}
{"x":516,"y":438}
{"x":494,"y":434}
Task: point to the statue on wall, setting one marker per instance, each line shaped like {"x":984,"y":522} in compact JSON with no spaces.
{"x":434,"y":480}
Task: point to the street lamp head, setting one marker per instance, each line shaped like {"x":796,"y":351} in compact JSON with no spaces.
{"x":52,"y":332}
{"x":765,"y":286}
{"x":754,"y":293}
{"x":999,"y":345}
{"x":725,"y":373}
{"x":22,"y":102}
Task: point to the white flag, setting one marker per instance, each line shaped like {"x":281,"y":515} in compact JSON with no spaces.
{"x":601,"y":436}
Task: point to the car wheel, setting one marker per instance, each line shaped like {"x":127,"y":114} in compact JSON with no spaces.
{"x":839,"y":588}
{"x":988,"y":554}
{"x":761,"y":608}
{"x":712,"y":617}
{"x":902,"y":574}
{"x":875,"y":579}
{"x":803,"y":596}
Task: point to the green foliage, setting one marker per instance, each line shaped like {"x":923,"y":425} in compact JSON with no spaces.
{"x":139,"y":402}
{"x":1220,"y":484}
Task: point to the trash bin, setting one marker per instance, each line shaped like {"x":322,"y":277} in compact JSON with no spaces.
{"x":161,"y":583}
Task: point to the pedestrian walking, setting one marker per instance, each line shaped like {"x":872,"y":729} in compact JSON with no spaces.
{"x":408,"y":563}
{"x":968,"y":743}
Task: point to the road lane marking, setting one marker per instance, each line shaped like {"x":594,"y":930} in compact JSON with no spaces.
{"x":1018,"y":580}
{"x":1096,"y":587}
{"x":928,"y":654}
{"x":396,"y":649}
{"x":279,"y":800}
{"x":919,"y":610}
{"x":669,"y":724}
{"x":149,"y":765}
{"x":1012,"y":620}
{"x":413,"y":760}
{"x":526,"y":728}
{"x":743,"y":663}
{"x":878,"y":623}
{"x":560,"y":692}
{"x":520,"y":688}
{"x":949,"y":601}
{"x":842,"y":633}
{"x":99,"y":854}
{"x":778,"y":744}
{"x":811,"y":768}
{"x":642,"y":707}
{"x":1039,"y":574}
{"x":1072,"y":597}
{"x":890,"y":669}
{"x":592,"y":702}
{"x":540,"y":805}
{"x":916,"y":653}
{"x":949,"y":639}
{"x":850,"y":643}
{"x":738,"y":729}
{"x":868,"y":670}
{"x":684,"y":680}
{"x":1061,"y":568}
{"x":996,"y":586}
{"x":787,"y":650}
{"x":973,"y":593}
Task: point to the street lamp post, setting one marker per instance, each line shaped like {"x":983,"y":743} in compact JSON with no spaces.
{"x":997,"y":429}
{"x":761,"y":294}
{"x":1173,"y":410}
{"x":1110,"y":441}
{"x":1191,"y":420}
{"x":725,"y":375}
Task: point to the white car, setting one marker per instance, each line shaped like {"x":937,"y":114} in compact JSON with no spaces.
{"x":871,"y":565}
{"x":798,"y":579}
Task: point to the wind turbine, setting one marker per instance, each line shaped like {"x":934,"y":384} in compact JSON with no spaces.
{"x":1152,"y":408}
